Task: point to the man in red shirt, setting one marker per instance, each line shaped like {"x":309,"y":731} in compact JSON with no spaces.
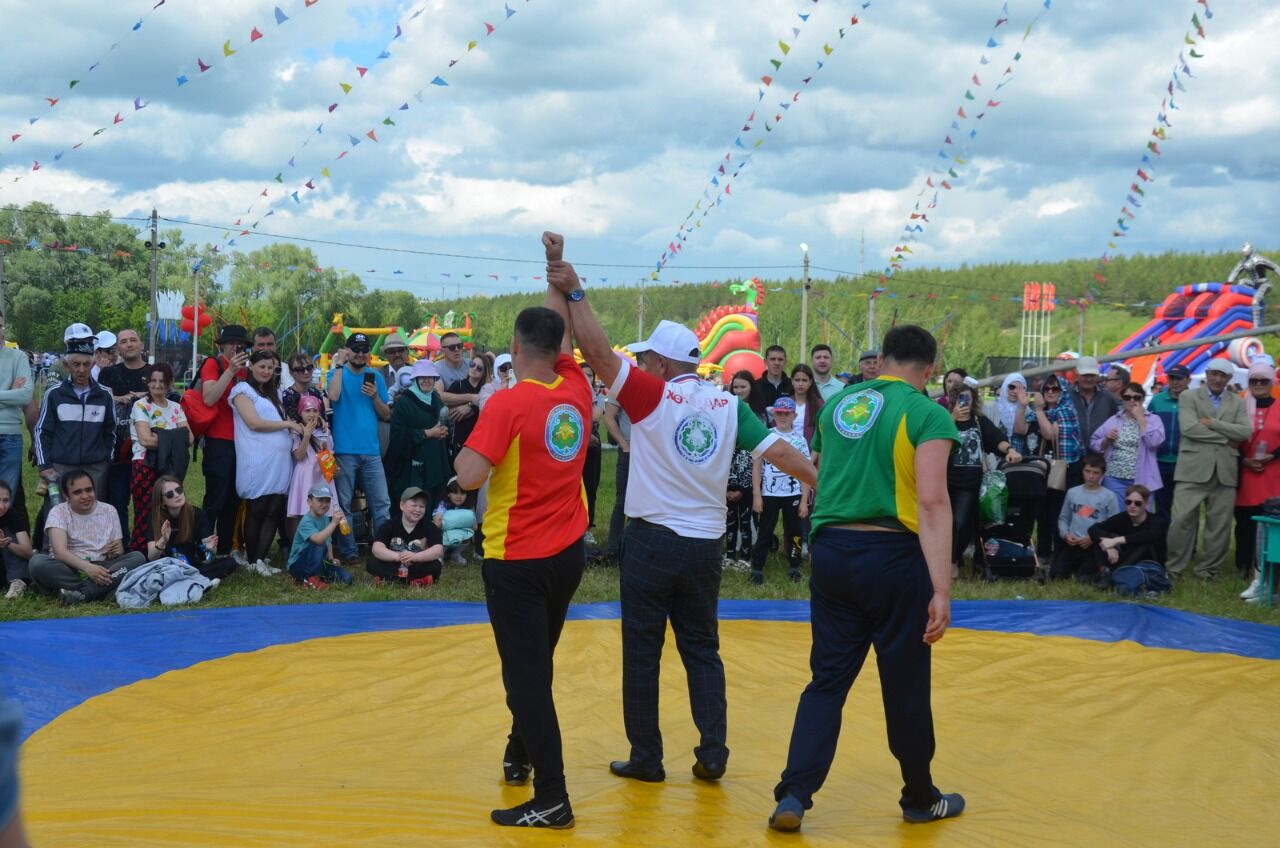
{"x":218,"y":374}
{"x":530,"y":444}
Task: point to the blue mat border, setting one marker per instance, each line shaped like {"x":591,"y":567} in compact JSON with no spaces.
{"x":51,"y":666}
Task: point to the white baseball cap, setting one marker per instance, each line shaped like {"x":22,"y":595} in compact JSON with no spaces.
{"x":672,"y":340}
{"x":1222,"y":366}
{"x":77,"y":331}
{"x":1086,"y":365}
{"x":106,"y":340}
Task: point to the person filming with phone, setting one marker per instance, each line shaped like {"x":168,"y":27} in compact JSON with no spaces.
{"x":978,"y":437}
{"x":360,"y":400}
{"x":218,"y":376}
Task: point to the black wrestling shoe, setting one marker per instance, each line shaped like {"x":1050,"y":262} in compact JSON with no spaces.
{"x":635,"y":771}
{"x":516,"y":774}
{"x":708,"y":771}
{"x":535,"y":814}
{"x":944,"y":808}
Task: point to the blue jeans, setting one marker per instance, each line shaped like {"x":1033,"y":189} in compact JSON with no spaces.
{"x":11,"y":460}
{"x":373,"y":482}
{"x":311,"y":562}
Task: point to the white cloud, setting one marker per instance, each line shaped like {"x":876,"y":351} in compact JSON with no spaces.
{"x":607,"y":122}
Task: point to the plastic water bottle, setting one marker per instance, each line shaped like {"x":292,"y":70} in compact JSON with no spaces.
{"x":343,"y":527}
{"x":1260,"y":451}
{"x":55,"y":493}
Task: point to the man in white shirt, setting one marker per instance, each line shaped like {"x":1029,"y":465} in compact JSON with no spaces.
{"x":683,"y":433}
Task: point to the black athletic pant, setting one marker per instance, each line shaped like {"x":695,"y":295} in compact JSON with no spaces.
{"x":591,"y":480}
{"x":1247,"y":539}
{"x":792,"y":530}
{"x":221,"y":502}
{"x":527,"y":601}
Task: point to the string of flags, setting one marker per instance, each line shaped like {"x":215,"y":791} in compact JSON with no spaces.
{"x":1145,"y":174}
{"x":720,"y":186}
{"x":51,"y":102}
{"x":353,"y":140}
{"x":955,"y":151}
{"x":360,"y":72}
{"x":202,"y":67}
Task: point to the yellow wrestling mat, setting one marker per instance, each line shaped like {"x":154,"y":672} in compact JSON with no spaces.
{"x":395,"y":739}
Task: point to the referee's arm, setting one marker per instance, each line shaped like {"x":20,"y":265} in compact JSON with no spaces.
{"x":934,"y":507}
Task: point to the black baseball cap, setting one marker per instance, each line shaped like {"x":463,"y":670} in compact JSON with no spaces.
{"x":1178,"y":372}
{"x":355,"y":341}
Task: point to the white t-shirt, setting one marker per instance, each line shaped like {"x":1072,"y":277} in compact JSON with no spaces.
{"x":683,"y":434}
{"x":264,"y":461}
{"x":168,"y":417}
{"x":87,"y":535}
{"x":775,"y":483}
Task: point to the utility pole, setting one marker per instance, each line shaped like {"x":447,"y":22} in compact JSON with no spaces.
{"x":155,"y":246}
{"x":3,"y":299}
{"x":804,"y":307}
{"x":640,"y":313}
{"x":871,"y":322}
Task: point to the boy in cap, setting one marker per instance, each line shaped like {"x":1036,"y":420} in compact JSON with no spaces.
{"x":408,"y":548}
{"x":774,"y":493}
{"x":311,"y":557}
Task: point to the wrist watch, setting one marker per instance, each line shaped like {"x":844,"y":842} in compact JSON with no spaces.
{"x":576,"y":295}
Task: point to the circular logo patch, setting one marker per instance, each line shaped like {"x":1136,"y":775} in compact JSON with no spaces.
{"x":696,"y":439}
{"x":565,"y":432}
{"x":855,"y":414}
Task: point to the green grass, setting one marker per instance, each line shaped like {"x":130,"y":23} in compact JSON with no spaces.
{"x":463,"y":583}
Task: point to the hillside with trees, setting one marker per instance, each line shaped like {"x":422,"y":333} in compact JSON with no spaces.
{"x":65,"y":268}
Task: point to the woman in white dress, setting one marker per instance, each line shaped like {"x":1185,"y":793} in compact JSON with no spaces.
{"x":264,"y":456}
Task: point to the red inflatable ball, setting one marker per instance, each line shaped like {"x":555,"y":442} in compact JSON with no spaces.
{"x":743,"y":360}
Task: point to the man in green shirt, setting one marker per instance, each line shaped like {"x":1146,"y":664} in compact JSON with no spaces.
{"x":881,"y":573}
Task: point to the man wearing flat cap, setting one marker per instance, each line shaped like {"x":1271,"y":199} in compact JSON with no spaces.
{"x":1213,"y":423}
{"x":77,"y":423}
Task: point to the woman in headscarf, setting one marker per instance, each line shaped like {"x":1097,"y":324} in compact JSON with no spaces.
{"x":1014,"y":415}
{"x":418,"y":454}
{"x":1259,"y":472}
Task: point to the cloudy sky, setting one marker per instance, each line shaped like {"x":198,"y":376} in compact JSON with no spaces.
{"x":607,"y":119}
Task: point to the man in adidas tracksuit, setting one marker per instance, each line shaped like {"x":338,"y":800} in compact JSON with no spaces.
{"x":77,"y":423}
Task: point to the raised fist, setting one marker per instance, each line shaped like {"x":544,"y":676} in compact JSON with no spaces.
{"x":554,"y":244}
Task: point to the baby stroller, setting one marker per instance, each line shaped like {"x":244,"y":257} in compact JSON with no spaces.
{"x":1008,"y":551}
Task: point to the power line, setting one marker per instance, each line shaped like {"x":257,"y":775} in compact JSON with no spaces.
{"x":413,"y":252}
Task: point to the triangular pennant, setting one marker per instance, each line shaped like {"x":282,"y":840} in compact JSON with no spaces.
{"x":226,"y":48}
{"x":438,"y":81}
{"x":324,"y":172}
{"x":371,"y":135}
{"x":361,"y":71}
{"x":345,"y":86}
{"x":281,"y":17}
{"x":255,"y":35}
{"x":203,"y":67}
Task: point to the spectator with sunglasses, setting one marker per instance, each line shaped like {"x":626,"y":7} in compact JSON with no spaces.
{"x":478,"y":375}
{"x":1132,"y":536}
{"x":454,"y":366}
{"x":178,"y":529}
{"x":302,"y":369}
{"x":1129,"y":440}
{"x":360,"y":400}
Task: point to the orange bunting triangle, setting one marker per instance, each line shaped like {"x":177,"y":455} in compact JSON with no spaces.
{"x":371,"y":135}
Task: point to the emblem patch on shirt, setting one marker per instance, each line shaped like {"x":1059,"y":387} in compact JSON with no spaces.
{"x":696,"y":439}
{"x":855,"y":414}
{"x":565,"y":431}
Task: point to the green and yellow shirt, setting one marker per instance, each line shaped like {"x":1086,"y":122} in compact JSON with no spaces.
{"x":867,"y":435}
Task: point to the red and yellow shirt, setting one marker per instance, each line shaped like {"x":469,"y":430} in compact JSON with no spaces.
{"x":535,"y":434}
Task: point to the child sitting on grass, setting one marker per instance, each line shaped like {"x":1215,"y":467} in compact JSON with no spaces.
{"x":311,"y":560}
{"x":456,"y":522}
{"x":407,"y":547}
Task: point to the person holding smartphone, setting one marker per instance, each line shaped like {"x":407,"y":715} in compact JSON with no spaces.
{"x":360,"y":400}
{"x":978,"y":437}
{"x":218,"y":375}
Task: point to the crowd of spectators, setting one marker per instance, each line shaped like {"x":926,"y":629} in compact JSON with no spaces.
{"x":279,"y":431}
